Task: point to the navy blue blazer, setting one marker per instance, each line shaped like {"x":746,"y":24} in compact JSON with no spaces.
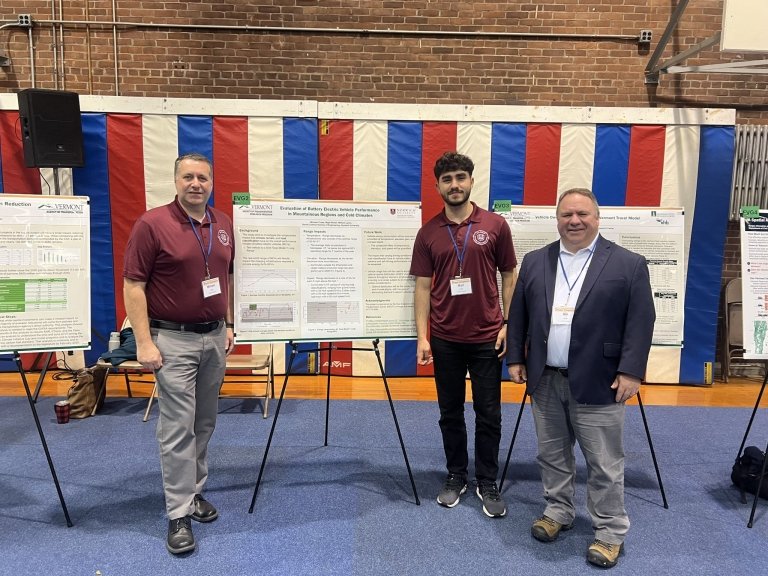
{"x":612,"y":324}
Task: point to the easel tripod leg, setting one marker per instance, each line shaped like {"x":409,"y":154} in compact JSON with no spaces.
{"x":512,"y":442}
{"x":43,"y":372}
{"x":752,"y":417}
{"x":17,"y":359}
{"x":653,"y":453}
{"x":294,"y":351}
{"x":757,"y":490}
{"x":741,"y":449}
{"x":394,"y":417}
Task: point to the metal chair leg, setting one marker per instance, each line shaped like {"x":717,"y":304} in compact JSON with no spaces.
{"x":149,"y":402}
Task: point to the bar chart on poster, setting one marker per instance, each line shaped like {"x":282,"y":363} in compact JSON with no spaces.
{"x":310,"y":270}
{"x":44,"y":273}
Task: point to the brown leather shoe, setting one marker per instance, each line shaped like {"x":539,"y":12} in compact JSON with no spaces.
{"x":547,"y":530}
{"x":204,"y":510}
{"x":603,"y":554}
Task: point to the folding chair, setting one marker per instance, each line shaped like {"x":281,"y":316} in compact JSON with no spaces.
{"x":242,"y":368}
{"x":131,"y":370}
{"x":733,"y":335}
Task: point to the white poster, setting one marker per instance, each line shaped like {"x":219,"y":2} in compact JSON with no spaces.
{"x":323,"y":270}
{"x":44,"y":273}
{"x":656,"y":233}
{"x":754,"y":284}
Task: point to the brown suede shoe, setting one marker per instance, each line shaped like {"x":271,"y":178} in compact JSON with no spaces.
{"x":603,"y":554}
{"x":547,"y":530}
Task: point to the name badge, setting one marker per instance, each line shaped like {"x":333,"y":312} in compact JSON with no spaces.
{"x":460,"y":286}
{"x":563,"y":315}
{"x":211,"y":287}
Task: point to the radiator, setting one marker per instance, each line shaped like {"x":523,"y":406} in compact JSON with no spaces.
{"x":750,"y":169}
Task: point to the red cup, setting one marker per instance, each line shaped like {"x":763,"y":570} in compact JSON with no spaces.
{"x":62,"y":411}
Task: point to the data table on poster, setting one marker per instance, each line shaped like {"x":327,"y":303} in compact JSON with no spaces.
{"x":26,"y":295}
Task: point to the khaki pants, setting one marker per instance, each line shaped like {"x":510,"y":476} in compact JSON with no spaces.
{"x":599,"y":428}
{"x":188,"y":394}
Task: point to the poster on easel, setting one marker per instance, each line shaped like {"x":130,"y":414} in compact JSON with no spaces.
{"x":44,"y":273}
{"x":656,"y":233}
{"x":753,"y":227}
{"x":330,"y":270}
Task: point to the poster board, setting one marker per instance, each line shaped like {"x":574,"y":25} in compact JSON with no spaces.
{"x":323,"y":270}
{"x":44,"y":273}
{"x":754,"y":283}
{"x":656,"y":233}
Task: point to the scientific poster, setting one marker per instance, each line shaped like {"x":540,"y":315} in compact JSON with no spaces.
{"x":656,"y":233}
{"x":44,"y":273}
{"x":754,"y":284}
{"x":322,"y":270}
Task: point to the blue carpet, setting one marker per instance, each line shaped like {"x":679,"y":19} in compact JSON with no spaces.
{"x":348,"y":508}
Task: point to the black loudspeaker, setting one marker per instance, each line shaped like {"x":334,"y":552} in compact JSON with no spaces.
{"x":51,"y":128}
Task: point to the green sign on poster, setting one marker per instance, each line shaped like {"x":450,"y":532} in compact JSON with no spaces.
{"x":749,"y":212}
{"x":241,"y":199}
{"x":502,"y":206}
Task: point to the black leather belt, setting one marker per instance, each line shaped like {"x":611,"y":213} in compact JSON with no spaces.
{"x":198,"y":328}
{"x":562,"y":371}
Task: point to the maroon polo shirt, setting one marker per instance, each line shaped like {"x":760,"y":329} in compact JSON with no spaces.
{"x":472,"y":317}
{"x":164,"y":252}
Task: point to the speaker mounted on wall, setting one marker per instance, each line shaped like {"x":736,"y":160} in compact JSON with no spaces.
{"x":51,"y":129}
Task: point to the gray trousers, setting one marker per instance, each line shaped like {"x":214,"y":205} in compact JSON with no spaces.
{"x":188,"y":396}
{"x":599,"y":429}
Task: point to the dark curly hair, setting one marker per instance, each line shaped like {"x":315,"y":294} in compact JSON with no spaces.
{"x":452,"y":162}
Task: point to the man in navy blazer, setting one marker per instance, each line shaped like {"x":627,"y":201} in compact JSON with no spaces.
{"x":580,"y":330}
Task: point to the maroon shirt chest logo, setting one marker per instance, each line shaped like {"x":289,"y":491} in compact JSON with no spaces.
{"x":480,"y":237}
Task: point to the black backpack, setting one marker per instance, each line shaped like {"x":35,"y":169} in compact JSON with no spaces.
{"x":746,"y":473}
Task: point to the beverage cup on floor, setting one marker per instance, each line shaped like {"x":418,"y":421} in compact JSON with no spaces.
{"x":62,"y":411}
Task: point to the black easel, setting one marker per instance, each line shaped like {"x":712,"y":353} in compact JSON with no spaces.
{"x":47,"y":356}
{"x":329,"y":349}
{"x":647,"y":433}
{"x":17,"y":359}
{"x":744,"y":441}
{"x":32,"y":399}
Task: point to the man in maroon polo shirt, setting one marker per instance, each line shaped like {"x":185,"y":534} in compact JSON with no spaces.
{"x":178,"y":295}
{"x":461,"y":327}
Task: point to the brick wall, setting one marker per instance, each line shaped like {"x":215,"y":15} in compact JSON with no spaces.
{"x":203,"y":49}
{"x":732,"y":254}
